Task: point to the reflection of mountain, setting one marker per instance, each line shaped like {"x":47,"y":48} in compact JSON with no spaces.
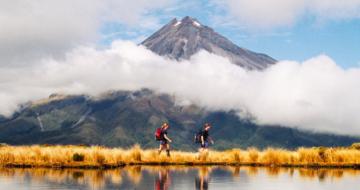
{"x":124,"y":118}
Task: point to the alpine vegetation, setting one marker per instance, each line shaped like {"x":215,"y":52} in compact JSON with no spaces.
{"x":102,"y":157}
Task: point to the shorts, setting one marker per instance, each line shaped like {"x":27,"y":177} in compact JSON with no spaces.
{"x":205,"y":145}
{"x":163,"y":142}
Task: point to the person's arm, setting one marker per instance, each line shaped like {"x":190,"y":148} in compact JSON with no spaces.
{"x":167,"y":138}
{"x":211,"y":140}
{"x":202,"y":139}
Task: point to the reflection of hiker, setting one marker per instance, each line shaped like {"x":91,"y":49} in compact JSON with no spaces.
{"x":162,"y":182}
{"x":203,"y":138}
{"x":161,"y":135}
{"x":202,"y":182}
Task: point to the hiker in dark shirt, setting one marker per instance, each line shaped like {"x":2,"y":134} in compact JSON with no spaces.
{"x":164,"y":139}
{"x":205,"y":138}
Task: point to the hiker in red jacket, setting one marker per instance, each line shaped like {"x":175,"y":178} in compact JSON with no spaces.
{"x":164,"y":139}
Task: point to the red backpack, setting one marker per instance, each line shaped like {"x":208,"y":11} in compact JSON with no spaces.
{"x":158,"y":134}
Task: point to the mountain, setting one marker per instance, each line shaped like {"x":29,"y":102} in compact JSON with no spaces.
{"x":124,"y":118}
{"x":182,"y":39}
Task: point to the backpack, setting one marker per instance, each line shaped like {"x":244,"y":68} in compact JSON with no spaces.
{"x":158,"y":134}
{"x":197,"y":138}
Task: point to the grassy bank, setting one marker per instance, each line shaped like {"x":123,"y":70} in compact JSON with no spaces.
{"x":102,"y":157}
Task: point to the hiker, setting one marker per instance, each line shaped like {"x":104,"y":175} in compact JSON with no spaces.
{"x":161,"y":135}
{"x":205,"y":138}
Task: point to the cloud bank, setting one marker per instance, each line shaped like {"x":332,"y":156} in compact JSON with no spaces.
{"x":315,"y":95}
{"x":33,"y":29}
{"x":278,"y":13}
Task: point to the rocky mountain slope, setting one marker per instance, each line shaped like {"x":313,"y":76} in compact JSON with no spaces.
{"x":182,"y":39}
{"x":124,"y":118}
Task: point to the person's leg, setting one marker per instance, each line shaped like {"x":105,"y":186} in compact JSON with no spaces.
{"x":206,"y":147}
{"x":168,"y":149}
{"x":201,"y":150}
{"x":161,"y":147}
{"x":204,"y":151}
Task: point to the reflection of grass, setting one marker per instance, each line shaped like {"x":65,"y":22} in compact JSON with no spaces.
{"x":96,"y":156}
{"x":95,"y":179}
{"x":100,"y":179}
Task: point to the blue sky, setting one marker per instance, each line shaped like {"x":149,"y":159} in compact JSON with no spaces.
{"x":308,"y":35}
{"x":284,"y":29}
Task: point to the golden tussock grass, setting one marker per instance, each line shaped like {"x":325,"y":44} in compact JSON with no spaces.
{"x":98,"y":156}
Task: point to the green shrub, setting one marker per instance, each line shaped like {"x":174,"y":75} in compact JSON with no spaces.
{"x":356,"y":146}
{"x":77,"y":157}
{"x":321,"y":152}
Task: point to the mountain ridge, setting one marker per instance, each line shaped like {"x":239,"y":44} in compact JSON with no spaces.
{"x":125,"y":118}
{"x":181,"y":39}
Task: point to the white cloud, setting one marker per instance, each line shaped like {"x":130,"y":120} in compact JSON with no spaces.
{"x":33,"y":29}
{"x":316,"y":94}
{"x":278,"y":13}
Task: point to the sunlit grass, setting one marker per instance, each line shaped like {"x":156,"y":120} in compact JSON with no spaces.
{"x":98,"y":156}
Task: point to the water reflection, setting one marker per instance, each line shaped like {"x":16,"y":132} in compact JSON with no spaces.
{"x":162,"y":178}
{"x":162,"y":181}
{"x":202,"y":180}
